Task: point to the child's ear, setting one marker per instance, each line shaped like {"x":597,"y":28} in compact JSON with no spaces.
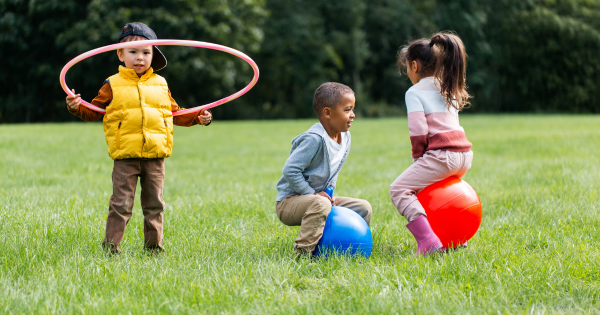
{"x":415,"y":66}
{"x":119,"y":53}
{"x":327,"y":112}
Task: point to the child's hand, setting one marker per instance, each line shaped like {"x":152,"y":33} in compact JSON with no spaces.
{"x":205,"y":118}
{"x":324,"y":194}
{"x":73,"y":101}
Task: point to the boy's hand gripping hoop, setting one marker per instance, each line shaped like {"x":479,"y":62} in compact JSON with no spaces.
{"x":171,"y":42}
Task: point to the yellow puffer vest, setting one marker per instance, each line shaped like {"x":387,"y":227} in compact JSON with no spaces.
{"x":138,"y":122}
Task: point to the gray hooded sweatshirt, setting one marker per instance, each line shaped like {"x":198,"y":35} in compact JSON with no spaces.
{"x":307,"y":170}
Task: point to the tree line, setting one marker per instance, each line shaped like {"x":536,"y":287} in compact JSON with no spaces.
{"x":524,"y":55}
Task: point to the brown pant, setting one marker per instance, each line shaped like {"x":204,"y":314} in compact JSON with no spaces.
{"x":125,"y":176}
{"x":310,"y":212}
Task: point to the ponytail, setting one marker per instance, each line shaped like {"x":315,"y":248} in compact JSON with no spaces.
{"x":444,"y":58}
{"x":451,"y":69}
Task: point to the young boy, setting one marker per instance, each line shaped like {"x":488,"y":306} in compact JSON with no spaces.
{"x":138,"y":126}
{"x":314,"y":164}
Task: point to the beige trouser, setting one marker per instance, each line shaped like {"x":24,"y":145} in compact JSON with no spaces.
{"x":432,"y":167}
{"x":310,"y":212}
{"x":125,"y":177}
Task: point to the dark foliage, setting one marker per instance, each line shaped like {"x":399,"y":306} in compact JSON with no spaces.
{"x":524,"y":55}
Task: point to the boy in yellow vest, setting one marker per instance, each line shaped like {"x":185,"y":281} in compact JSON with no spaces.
{"x":138,"y":127}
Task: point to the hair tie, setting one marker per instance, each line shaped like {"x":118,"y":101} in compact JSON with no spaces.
{"x":430,"y":44}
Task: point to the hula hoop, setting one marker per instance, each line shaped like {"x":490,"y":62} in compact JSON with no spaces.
{"x":171,"y":42}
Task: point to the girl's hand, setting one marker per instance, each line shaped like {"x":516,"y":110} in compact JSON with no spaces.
{"x":73,"y":101}
{"x":205,"y":118}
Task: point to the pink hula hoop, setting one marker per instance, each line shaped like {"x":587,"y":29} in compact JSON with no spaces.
{"x":171,"y":42}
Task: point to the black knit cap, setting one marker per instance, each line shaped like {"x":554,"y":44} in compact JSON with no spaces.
{"x":140,"y":29}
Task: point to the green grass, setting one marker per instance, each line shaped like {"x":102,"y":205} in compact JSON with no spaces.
{"x":536,"y":252}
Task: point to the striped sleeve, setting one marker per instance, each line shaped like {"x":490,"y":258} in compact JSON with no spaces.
{"x":417,"y":124}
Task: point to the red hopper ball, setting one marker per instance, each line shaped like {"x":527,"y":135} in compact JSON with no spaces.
{"x":453,"y":210}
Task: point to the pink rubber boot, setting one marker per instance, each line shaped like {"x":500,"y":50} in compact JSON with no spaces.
{"x":427,"y":241}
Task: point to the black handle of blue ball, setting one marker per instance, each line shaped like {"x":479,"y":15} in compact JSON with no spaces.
{"x":329,"y":191}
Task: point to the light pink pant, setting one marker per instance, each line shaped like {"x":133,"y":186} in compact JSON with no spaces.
{"x":432,"y":167}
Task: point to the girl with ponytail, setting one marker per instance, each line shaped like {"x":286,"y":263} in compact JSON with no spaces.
{"x":440,"y":149}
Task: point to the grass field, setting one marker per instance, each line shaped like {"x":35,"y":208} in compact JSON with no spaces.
{"x":537,"y":250}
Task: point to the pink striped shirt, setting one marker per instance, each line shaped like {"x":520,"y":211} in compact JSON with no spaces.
{"x":433,"y":125}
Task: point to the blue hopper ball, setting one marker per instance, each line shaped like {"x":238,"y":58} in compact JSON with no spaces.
{"x":345,"y":232}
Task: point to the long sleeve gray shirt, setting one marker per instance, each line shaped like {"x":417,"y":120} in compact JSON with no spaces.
{"x":307,"y":169}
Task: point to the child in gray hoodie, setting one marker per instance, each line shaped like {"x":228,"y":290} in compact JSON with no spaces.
{"x":315,"y":160}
